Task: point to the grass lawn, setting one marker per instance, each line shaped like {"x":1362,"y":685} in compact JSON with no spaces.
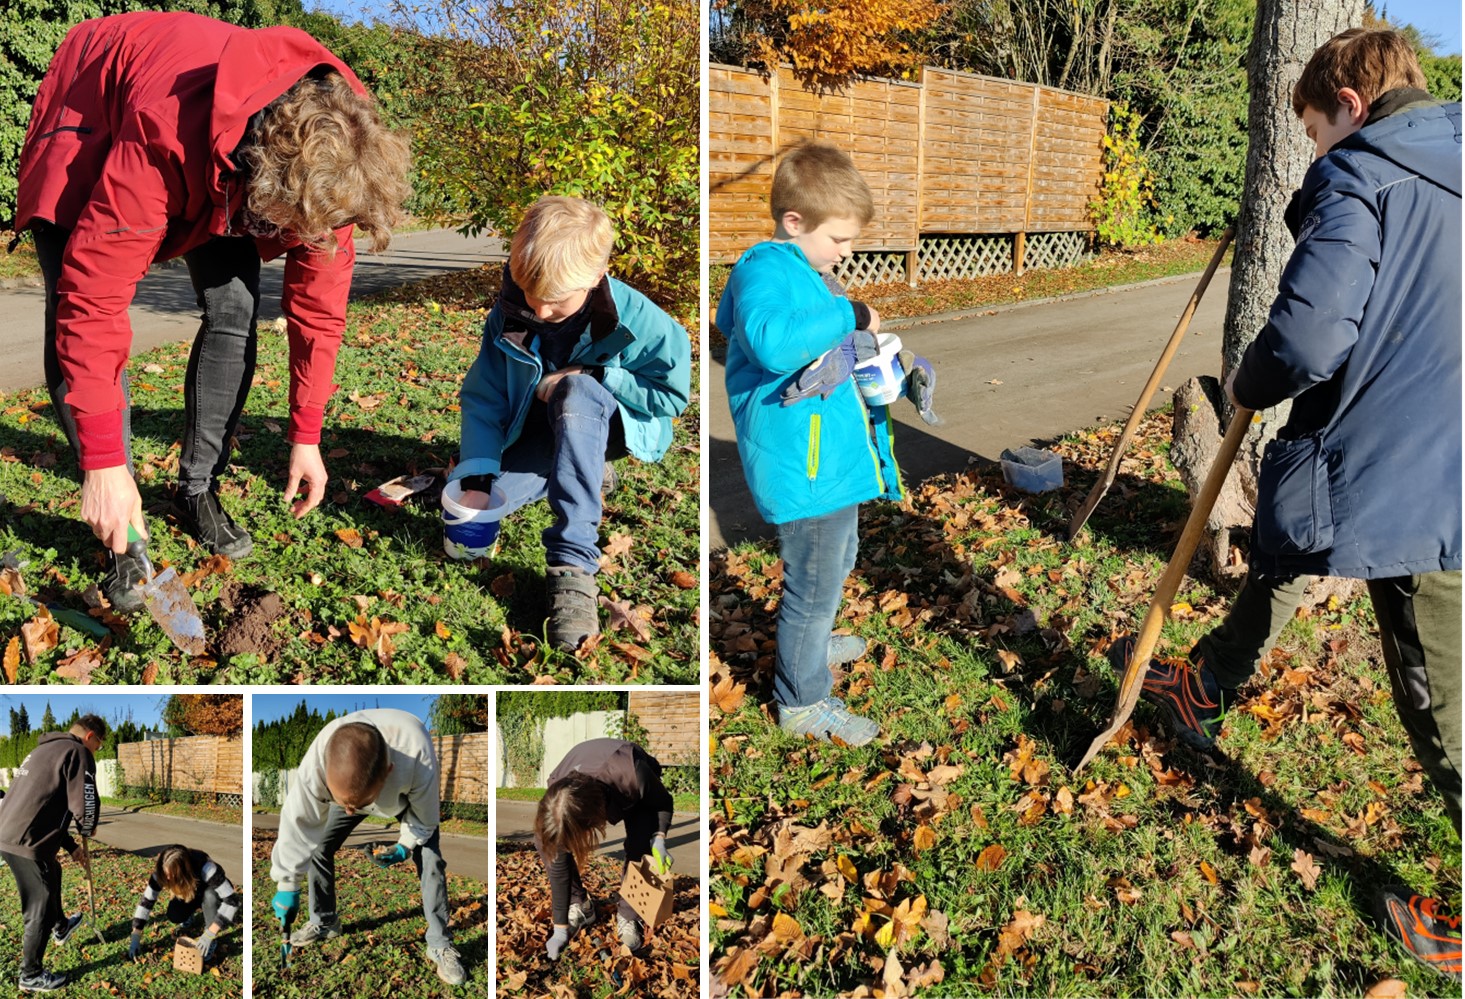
{"x":594,"y":964}
{"x":381,"y":951}
{"x":353,"y":593}
{"x":22,"y":264}
{"x":959,"y":855}
{"x":204,"y":811}
{"x":691,"y":802}
{"x":449,"y":827}
{"x":104,"y":968}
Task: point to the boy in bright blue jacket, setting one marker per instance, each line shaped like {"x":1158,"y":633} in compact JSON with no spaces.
{"x":575,"y":369}
{"x":1364,"y":480}
{"x":812,"y":457}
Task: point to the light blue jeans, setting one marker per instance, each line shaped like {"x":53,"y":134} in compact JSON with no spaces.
{"x":818,"y":555}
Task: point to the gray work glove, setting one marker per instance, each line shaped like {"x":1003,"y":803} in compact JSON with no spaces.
{"x":557,"y":942}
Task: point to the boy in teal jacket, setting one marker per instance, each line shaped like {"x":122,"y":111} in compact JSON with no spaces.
{"x":810,"y":457}
{"x":575,"y":369}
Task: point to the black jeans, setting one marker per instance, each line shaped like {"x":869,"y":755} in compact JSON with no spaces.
{"x":565,"y":886}
{"x":39,"y":882}
{"x":180,"y":911}
{"x":225,"y":276}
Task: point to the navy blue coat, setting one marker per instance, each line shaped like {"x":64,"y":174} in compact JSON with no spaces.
{"x":1364,"y":480}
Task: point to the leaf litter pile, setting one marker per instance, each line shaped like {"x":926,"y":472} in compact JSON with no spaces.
{"x":104,"y":969}
{"x":595,"y":963}
{"x":958,"y":854}
{"x":355,"y":592}
{"x":382,"y":949}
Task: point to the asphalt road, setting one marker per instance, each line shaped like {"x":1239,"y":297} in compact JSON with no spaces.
{"x":166,"y":311}
{"x":465,"y":855}
{"x":146,"y":834}
{"x":515,"y":822}
{"x":1026,"y":373}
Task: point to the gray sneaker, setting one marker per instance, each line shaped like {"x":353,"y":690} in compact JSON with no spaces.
{"x":449,"y":968}
{"x":313,"y":932}
{"x":582,"y":914}
{"x":42,"y":981}
{"x":63,"y":930}
{"x":827,"y":720}
{"x":629,"y":930}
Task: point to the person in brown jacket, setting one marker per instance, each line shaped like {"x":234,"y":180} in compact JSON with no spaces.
{"x":54,"y":785}
{"x":599,"y":783}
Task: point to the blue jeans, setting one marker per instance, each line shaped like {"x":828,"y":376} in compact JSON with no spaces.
{"x":818,"y":554}
{"x":560,"y":456}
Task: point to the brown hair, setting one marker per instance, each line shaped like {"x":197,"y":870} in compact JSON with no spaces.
{"x":571,"y":817}
{"x":91,"y":723}
{"x":817,"y":180}
{"x":1371,"y":61}
{"x":561,"y":246}
{"x":175,"y":872}
{"x":356,"y":761}
{"x":320,"y":159}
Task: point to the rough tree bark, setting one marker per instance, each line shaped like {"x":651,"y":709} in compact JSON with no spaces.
{"x":1285,"y":35}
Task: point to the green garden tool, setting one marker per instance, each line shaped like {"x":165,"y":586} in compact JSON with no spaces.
{"x":167,"y":600}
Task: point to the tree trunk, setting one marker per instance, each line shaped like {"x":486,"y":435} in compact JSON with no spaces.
{"x":1284,"y":37}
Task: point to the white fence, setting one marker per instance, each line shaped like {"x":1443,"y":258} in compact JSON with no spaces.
{"x":560,"y":736}
{"x":106,"y":778}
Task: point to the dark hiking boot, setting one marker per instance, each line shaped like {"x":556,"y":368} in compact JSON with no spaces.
{"x":1427,"y":933}
{"x":1193,"y":702}
{"x":123,"y":582}
{"x":204,"y":519}
{"x":42,"y":981}
{"x":573,"y":612}
{"x":62,"y":931}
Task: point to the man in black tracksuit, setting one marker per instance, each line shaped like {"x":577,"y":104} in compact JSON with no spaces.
{"x":54,"y":785}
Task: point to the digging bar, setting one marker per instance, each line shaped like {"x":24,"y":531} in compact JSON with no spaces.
{"x":1169,"y":584}
{"x":1140,"y":408}
{"x":91,"y":890}
{"x":167,"y":600}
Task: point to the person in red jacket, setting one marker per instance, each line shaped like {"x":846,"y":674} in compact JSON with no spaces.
{"x":157,"y":135}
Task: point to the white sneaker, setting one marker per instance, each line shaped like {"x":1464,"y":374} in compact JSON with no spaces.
{"x":629,"y":930}
{"x":449,"y":968}
{"x":582,"y":914}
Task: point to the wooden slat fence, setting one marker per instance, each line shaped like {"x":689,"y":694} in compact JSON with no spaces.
{"x":463,"y":767}
{"x":954,"y":154}
{"x":673,"y":721}
{"x":200,"y":764}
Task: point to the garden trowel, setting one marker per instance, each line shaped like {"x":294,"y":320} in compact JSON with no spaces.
{"x":167,"y":600}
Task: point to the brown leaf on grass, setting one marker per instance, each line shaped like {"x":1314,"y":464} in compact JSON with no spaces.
{"x":786,"y":929}
{"x":925,"y":837}
{"x":1010,"y":660}
{"x":623,"y":615}
{"x":1209,"y":873}
{"x":925,"y":975}
{"x":740,"y":963}
{"x":441,"y":631}
{"x":1306,"y":868}
{"x":376,"y":636}
{"x":79,"y":667}
{"x":350,"y":536}
{"x":502,"y":586}
{"x":1389,"y":988}
{"x":893,"y":978}
{"x":684,"y":580}
{"x":11,"y":582}
{"x":991,"y":858}
{"x":617,"y":545}
{"x":1260,"y":855}
{"x":150,"y":673}
{"x":214,"y":565}
{"x":727,"y":696}
{"x":635,"y":652}
{"x":1127,"y":893}
{"x":40,"y":634}
{"x":1009,"y":941}
{"x":455,"y":665}
{"x":12,"y":659}
{"x":1063,"y":802}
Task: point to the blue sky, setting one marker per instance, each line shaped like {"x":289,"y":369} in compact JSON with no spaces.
{"x":268,"y":707}
{"x":146,"y":709}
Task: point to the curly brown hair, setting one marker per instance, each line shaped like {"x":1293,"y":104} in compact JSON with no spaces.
{"x":319,"y":158}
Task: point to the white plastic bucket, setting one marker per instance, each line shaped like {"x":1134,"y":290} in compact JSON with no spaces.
{"x":882,"y":378}
{"x":470,"y":532}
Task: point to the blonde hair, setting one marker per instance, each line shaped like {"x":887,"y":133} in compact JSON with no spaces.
{"x":175,"y":872}
{"x":571,"y":817}
{"x":1371,"y":61}
{"x":321,"y":159}
{"x":819,"y":181}
{"x":561,"y":246}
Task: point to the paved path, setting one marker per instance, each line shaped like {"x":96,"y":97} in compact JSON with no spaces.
{"x":515,"y":821}
{"x":1062,"y":365}
{"x":465,"y":855}
{"x":147,"y":833}
{"x":165,"y":311}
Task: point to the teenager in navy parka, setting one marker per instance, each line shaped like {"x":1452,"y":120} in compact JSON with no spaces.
{"x":1364,"y":480}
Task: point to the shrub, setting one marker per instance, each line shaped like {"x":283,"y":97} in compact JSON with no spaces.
{"x":1125,"y":211}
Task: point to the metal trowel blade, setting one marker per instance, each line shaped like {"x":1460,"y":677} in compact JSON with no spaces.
{"x":171,"y":606}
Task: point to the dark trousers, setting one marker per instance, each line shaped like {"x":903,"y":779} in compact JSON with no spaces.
{"x":427,"y":859}
{"x":39,"y":882}
{"x":1419,"y":626}
{"x":565,"y":886}
{"x":225,"y":276}
{"x":180,"y":912}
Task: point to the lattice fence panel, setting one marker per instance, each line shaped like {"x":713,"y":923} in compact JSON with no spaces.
{"x":871,"y":268}
{"x":232,"y":800}
{"x":946,"y":257}
{"x":1051,"y":250}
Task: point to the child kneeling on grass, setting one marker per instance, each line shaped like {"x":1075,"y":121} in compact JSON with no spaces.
{"x":809,"y":464}
{"x":599,"y":782}
{"x":197,"y":882}
{"x":575,"y":369}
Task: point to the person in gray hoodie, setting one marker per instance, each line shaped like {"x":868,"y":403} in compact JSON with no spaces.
{"x":378,"y":762}
{"x":54,"y":785}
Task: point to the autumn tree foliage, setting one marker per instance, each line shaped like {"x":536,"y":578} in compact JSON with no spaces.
{"x":830,"y":43}
{"x":205,"y":714}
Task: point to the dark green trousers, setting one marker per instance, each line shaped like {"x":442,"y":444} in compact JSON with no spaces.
{"x":1419,"y":625}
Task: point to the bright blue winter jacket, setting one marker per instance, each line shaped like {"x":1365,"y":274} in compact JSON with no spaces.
{"x":1364,"y":480}
{"x":646,"y":362}
{"x":818,"y":455}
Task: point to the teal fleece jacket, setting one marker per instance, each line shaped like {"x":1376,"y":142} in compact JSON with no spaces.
{"x":817,"y":455}
{"x":646,"y":362}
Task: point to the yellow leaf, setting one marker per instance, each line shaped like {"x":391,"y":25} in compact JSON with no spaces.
{"x":885,"y":936}
{"x":12,"y":659}
{"x":925,"y":837}
{"x":786,"y":928}
{"x":845,"y":865}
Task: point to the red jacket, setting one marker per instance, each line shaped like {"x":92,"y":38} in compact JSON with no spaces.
{"x":129,"y":147}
